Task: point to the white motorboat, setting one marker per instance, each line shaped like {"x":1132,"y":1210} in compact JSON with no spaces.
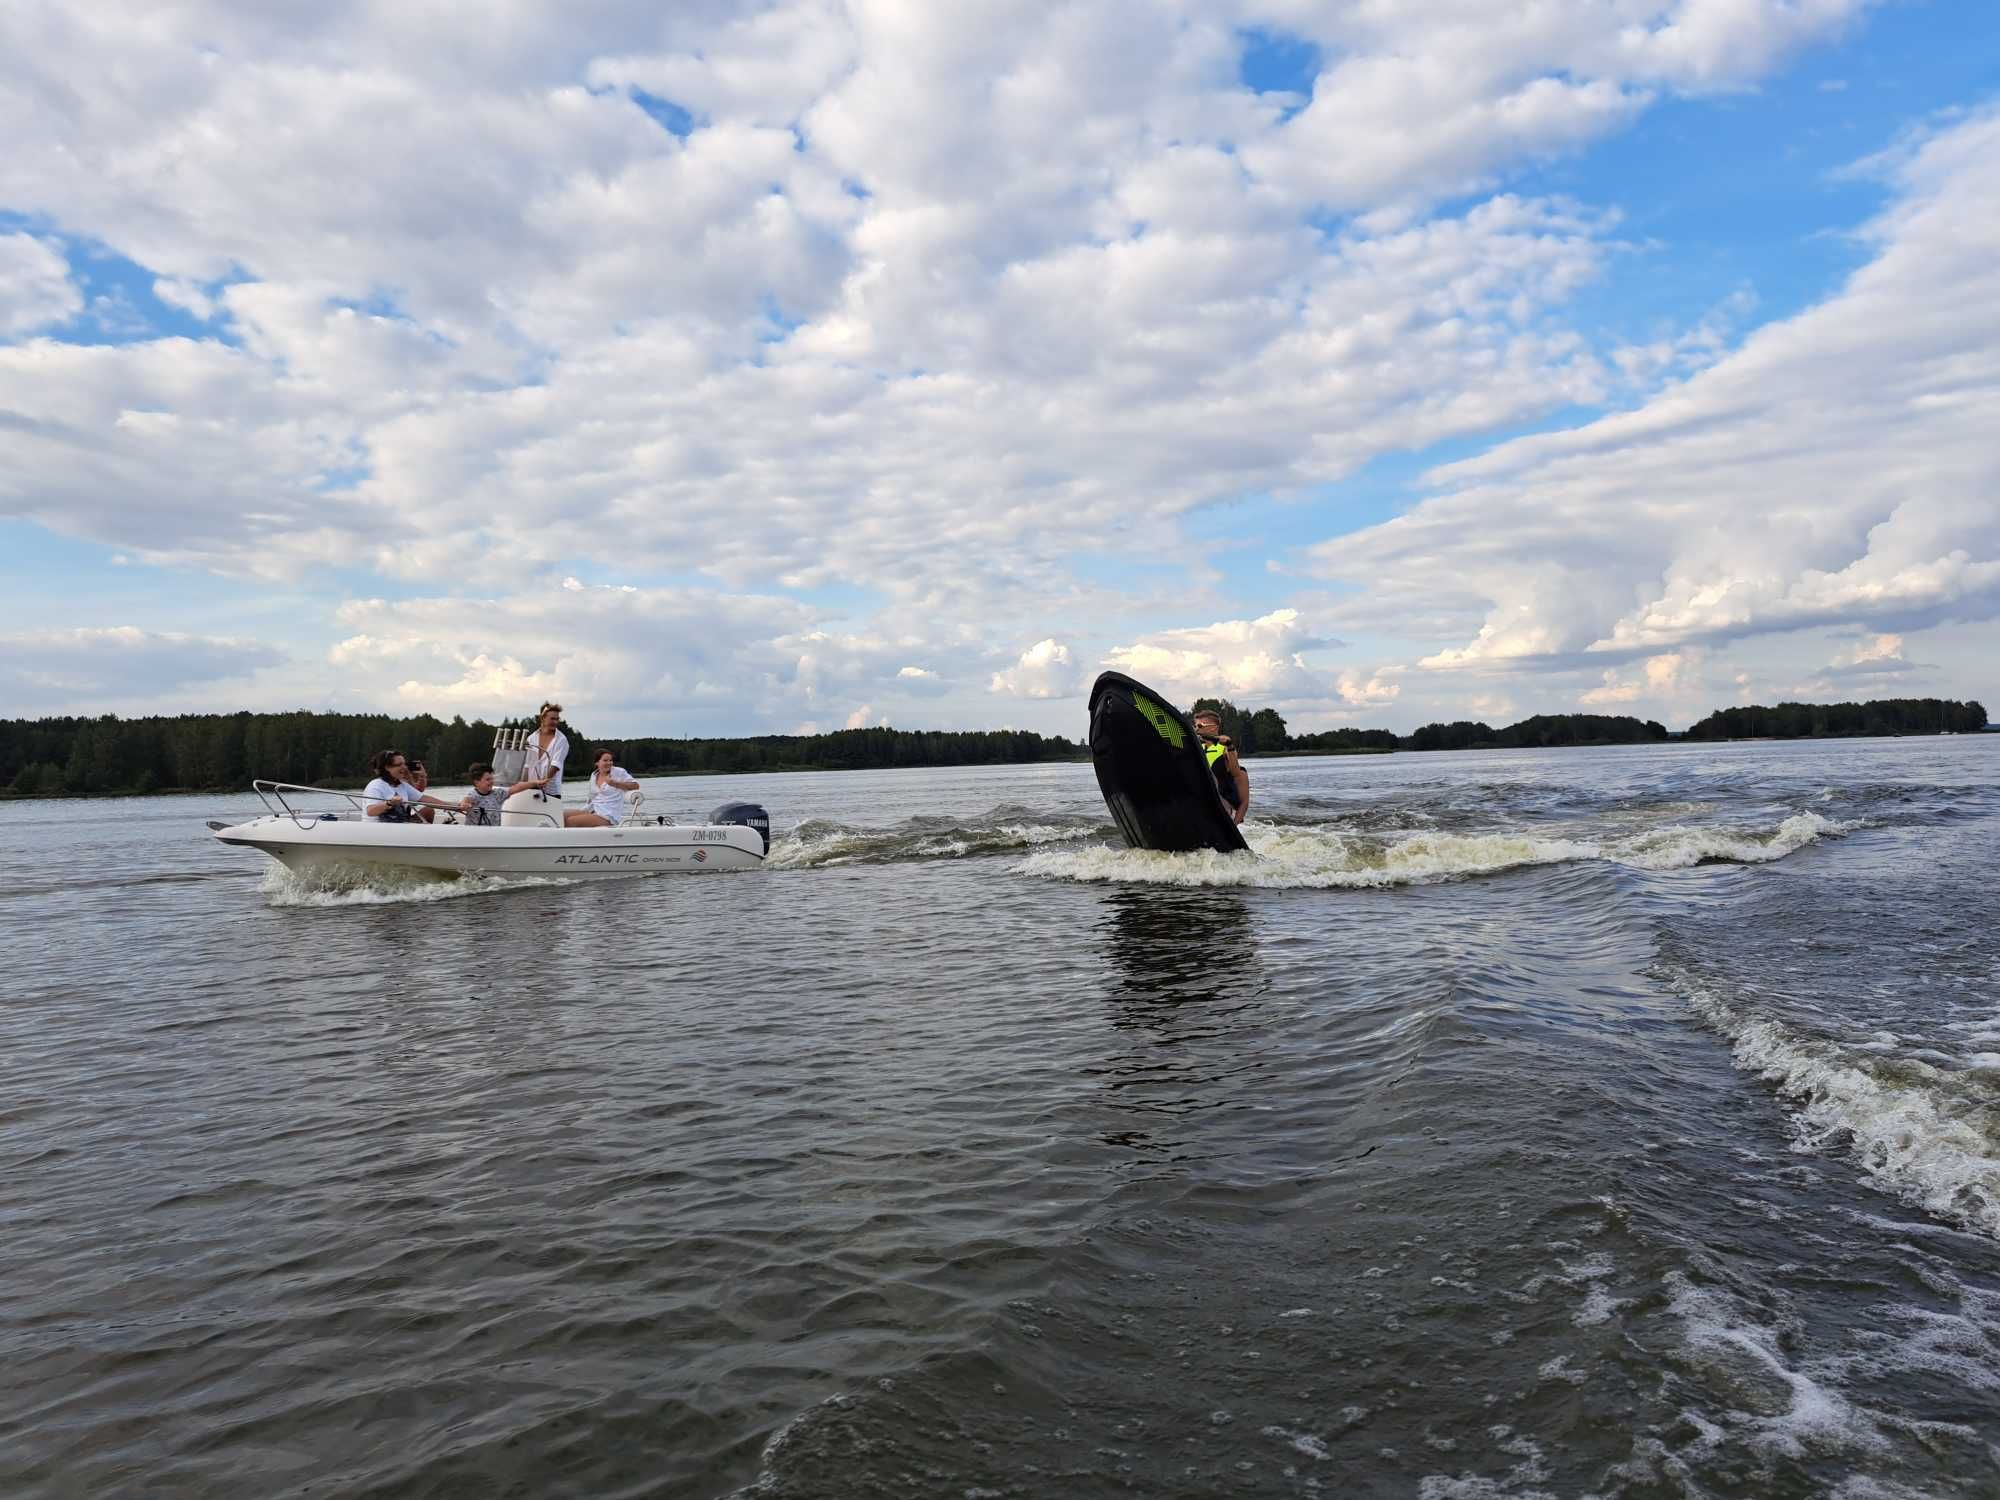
{"x":301,"y":832}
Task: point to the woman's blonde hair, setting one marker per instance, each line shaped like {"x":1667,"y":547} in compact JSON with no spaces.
{"x":545,"y":708}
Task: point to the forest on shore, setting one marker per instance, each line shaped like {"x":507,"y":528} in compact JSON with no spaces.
{"x":110,"y":756}
{"x":1814,"y":721}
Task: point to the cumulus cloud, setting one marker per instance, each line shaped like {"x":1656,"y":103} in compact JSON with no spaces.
{"x":1883,"y":653}
{"x":483,"y":297}
{"x":922,"y":305}
{"x":1260,"y":660}
{"x":685,"y":660}
{"x":1424,"y":100}
{"x":1045,"y":670}
{"x":1870,"y":666}
{"x":1669,"y":675}
{"x":1836,"y":469}
{"x":1377,"y":688}
{"x":95,"y":668}
{"x":921,"y":682}
{"x":35,"y":286}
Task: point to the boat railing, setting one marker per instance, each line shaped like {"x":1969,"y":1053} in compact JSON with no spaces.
{"x":273,"y":795}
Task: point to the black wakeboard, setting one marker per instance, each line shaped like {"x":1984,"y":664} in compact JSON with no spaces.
{"x":1152,"y":771}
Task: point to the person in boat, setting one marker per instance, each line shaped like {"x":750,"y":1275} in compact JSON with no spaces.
{"x":389,"y":793}
{"x":609,"y":782}
{"x":1232,"y":782}
{"x":482,"y":805}
{"x":427,"y":805}
{"x":548,"y":748}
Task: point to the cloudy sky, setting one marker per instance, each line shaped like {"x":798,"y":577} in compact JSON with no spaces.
{"x":732,"y":367}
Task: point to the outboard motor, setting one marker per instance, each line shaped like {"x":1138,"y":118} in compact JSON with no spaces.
{"x":749,"y":814}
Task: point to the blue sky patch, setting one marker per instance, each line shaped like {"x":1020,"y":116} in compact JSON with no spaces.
{"x":671,"y":117}
{"x":1276,"y":62}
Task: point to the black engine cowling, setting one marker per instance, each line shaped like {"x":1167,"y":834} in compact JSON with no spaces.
{"x":749,"y":814}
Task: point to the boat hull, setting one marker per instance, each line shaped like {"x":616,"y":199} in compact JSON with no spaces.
{"x":305,"y":843}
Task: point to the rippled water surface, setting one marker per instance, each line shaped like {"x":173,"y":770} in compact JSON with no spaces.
{"x":1620,"y":1122}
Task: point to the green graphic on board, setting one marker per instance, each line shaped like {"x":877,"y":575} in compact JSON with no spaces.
{"x":1168,"y":726}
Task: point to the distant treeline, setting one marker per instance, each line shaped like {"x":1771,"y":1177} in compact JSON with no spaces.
{"x":1539,"y":732}
{"x":1262,"y":731}
{"x":211,"y":752}
{"x":1800,"y":721}
{"x":215,"y":752}
{"x":842,"y":750}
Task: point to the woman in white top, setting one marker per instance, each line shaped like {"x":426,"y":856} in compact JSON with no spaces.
{"x":392,"y":785}
{"x":387,"y":785}
{"x":608,"y":785}
{"x":548,"y":748}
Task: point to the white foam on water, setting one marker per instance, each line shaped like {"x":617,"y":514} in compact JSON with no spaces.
{"x":1676,"y":846}
{"x":826,"y":844}
{"x":1915,"y":1128}
{"x":1599,"y":1306}
{"x":1310,"y":1444}
{"x":344,"y":886}
{"x":1531,"y":1470}
{"x":1313,"y":859}
{"x":1293,"y":857}
{"x":815,"y":844}
{"x":1560,"y":1368}
{"x":1781,"y":1408}
{"x":1004,"y":836}
{"x":1867,"y":1487}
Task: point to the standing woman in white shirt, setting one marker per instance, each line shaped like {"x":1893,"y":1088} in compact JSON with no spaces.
{"x":608,"y":785}
{"x":548,"y":748}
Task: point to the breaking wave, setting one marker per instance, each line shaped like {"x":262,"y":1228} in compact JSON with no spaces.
{"x":1318,"y":857}
{"x":1929,"y":1134}
{"x":1310,"y":858}
{"x":1677,"y":847}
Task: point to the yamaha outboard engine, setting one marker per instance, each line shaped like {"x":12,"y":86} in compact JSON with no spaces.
{"x":749,"y":814}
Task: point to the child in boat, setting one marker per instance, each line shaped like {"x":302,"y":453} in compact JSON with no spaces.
{"x":482,"y":805}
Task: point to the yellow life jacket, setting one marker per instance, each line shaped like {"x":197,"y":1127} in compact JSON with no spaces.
{"x":1225,"y":780}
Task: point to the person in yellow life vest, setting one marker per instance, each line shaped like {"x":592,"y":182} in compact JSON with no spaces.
{"x":1232,"y":783}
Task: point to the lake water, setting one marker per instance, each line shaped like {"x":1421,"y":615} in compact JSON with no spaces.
{"x":1595,"y":1122}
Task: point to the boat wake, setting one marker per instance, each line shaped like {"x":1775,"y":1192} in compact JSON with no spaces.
{"x":1928,"y":1131}
{"x":339,"y":885}
{"x":1319,"y":857}
{"x":818,"y":842}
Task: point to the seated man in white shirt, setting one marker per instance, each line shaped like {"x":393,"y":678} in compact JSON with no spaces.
{"x":609,"y":782}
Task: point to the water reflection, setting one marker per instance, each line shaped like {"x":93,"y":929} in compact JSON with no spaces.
{"x":1185,"y":985}
{"x":1172,"y":948}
